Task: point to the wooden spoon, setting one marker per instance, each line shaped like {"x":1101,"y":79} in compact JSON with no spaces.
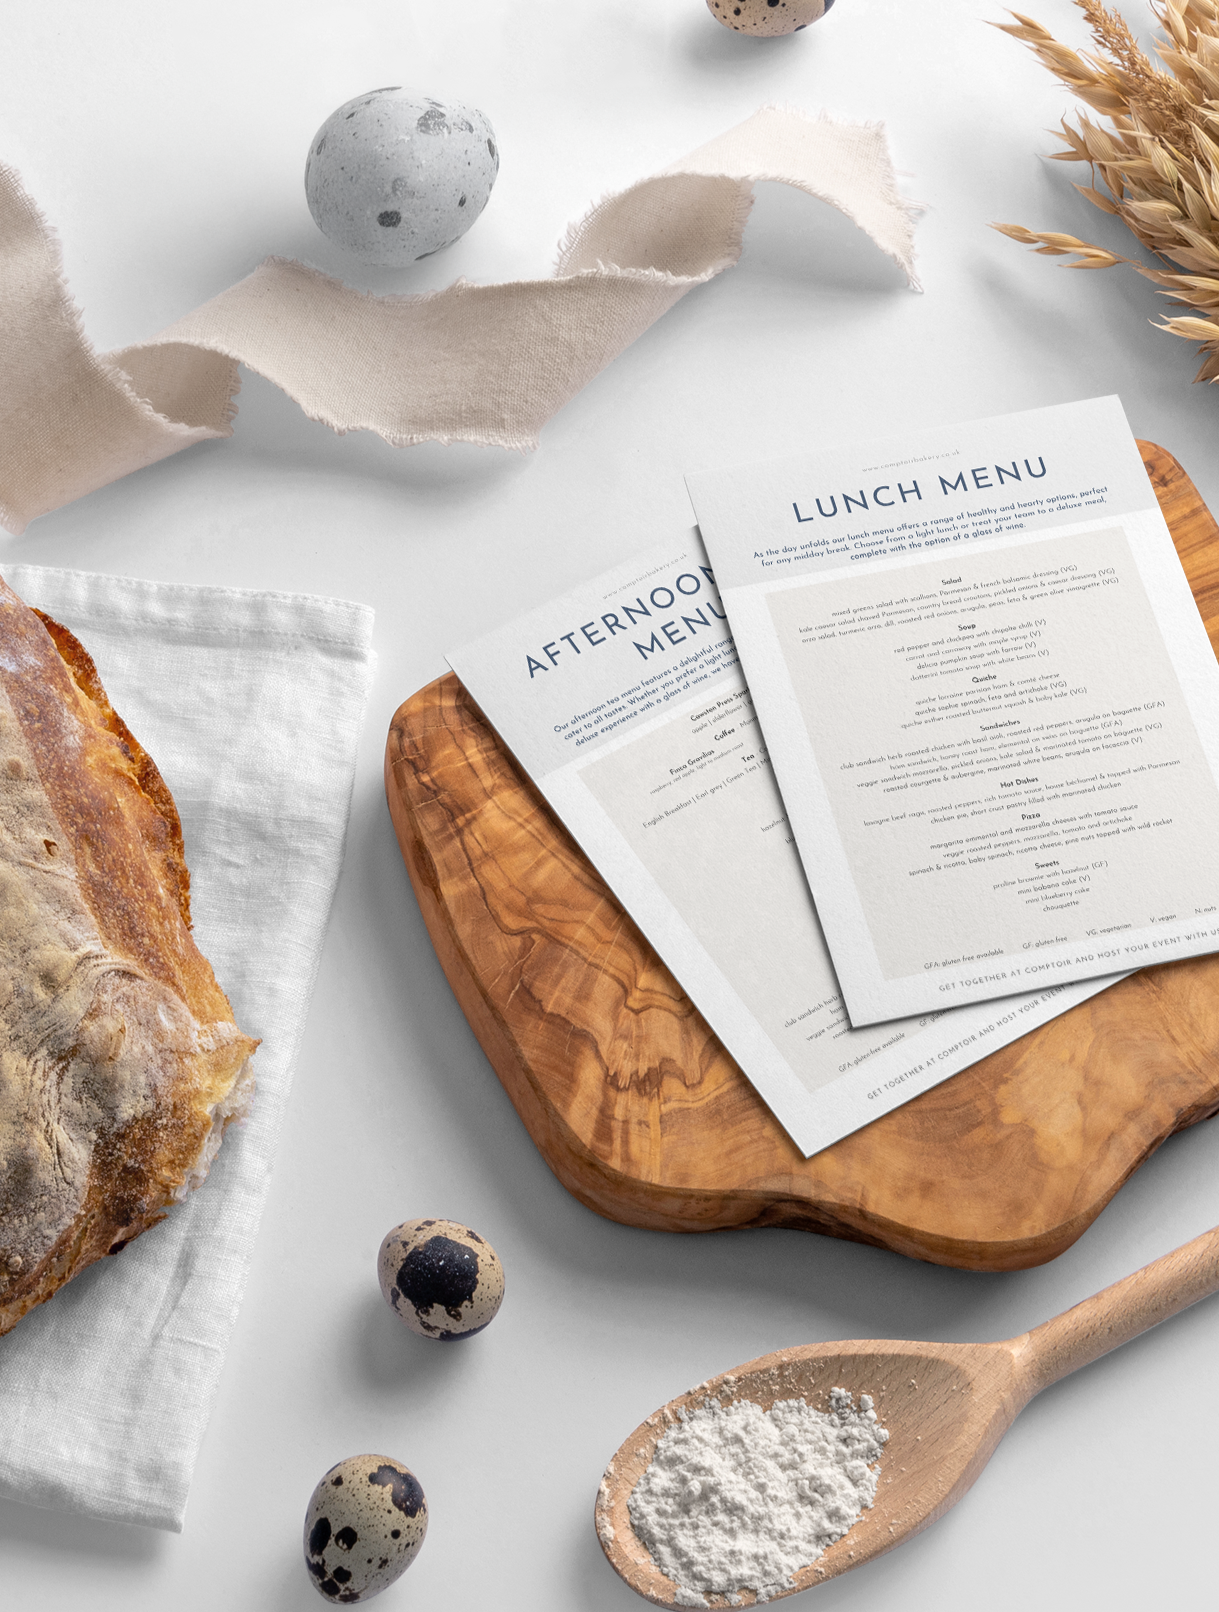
{"x":946,"y":1406}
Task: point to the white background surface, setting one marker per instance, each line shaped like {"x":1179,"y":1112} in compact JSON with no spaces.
{"x":167,"y":144}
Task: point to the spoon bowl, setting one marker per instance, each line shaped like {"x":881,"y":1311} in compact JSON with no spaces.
{"x":945,"y":1405}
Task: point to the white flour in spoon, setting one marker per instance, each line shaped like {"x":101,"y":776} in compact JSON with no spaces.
{"x":741,"y":1498}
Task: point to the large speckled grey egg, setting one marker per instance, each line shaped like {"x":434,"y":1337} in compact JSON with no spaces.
{"x":441,"y":1278}
{"x":364,"y":1526}
{"x":392,"y":176}
{"x":768,"y":16}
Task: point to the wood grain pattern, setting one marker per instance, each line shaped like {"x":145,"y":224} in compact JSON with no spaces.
{"x":945,"y":1406}
{"x":643,"y":1115}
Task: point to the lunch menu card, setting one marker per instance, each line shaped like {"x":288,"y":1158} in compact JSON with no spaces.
{"x":991,"y":703}
{"x":919,"y":752}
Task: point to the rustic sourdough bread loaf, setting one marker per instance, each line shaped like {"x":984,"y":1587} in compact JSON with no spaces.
{"x":120,"y":1062}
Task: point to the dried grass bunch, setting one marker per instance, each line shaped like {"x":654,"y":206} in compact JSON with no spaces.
{"x":1159,"y":157}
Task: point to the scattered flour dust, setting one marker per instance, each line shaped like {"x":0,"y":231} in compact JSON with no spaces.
{"x":741,"y":1498}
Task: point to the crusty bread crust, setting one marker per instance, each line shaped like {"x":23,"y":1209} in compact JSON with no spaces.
{"x":120,"y":1062}
{"x":84,"y":674}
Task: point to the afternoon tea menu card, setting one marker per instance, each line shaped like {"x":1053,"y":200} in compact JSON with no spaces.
{"x":989,"y":700}
{"x":625,"y":702}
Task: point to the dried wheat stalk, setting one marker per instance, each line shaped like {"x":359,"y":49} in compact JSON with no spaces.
{"x":1159,"y":157}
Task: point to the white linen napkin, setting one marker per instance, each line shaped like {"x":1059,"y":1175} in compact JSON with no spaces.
{"x":250,"y":704}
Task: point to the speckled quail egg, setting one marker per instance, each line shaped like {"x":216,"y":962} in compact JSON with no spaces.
{"x":767,"y":16}
{"x":441,"y":1278}
{"x":364,"y":1526}
{"x":392,"y":176}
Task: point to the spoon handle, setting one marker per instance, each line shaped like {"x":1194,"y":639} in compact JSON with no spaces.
{"x":1119,"y":1313}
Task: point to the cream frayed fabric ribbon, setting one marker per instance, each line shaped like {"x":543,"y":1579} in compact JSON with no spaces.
{"x":472,"y":363}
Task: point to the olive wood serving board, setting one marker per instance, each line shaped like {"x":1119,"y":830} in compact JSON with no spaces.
{"x":643,"y":1115}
